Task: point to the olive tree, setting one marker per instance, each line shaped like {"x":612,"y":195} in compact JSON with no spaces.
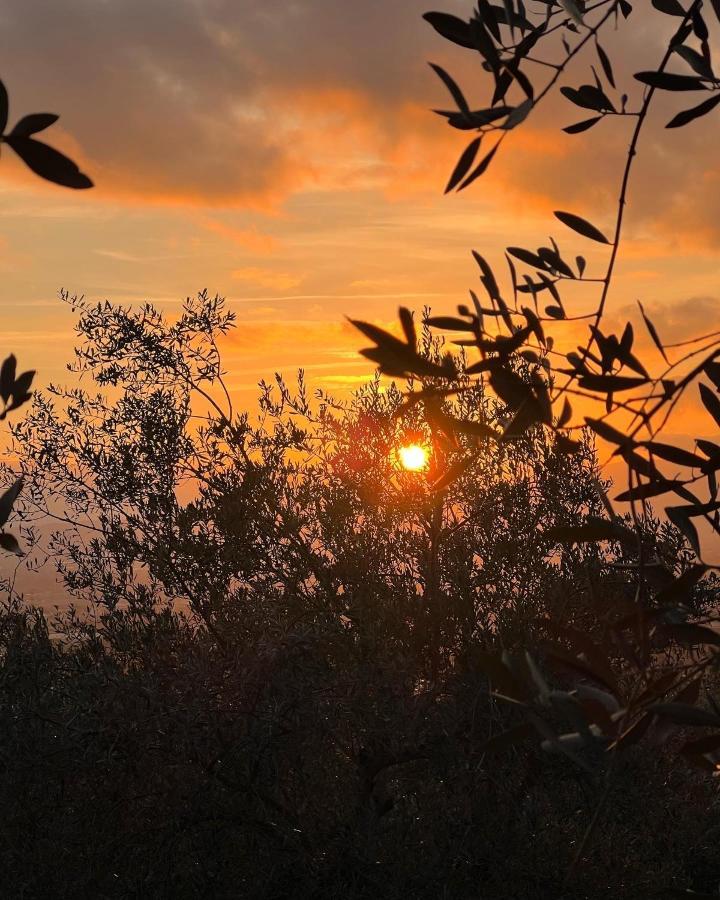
{"x":654,"y":657}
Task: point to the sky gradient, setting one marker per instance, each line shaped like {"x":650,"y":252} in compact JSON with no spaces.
{"x":285,"y":156}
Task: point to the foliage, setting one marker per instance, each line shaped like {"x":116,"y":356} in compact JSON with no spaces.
{"x":509,"y":41}
{"x":53,"y":166}
{"x":296,"y":768}
{"x":299,"y":659}
{"x":523,"y":61}
{"x":164,"y":492}
{"x":43,"y":160}
{"x":280,"y":688}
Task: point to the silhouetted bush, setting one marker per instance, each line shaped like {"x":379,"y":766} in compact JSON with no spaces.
{"x":310,"y":725}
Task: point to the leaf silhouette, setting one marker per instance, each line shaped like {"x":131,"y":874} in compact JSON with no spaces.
{"x":7,"y":499}
{"x":33,"y":123}
{"x":450,"y":84}
{"x":581,"y":126}
{"x":48,"y":163}
{"x":667,"y":81}
{"x":711,"y":402}
{"x":451,"y":28}
{"x":582,"y":226}
{"x":9,"y":542}
{"x":408,"y":326}
{"x":480,"y":169}
{"x":689,"y":115}
{"x":609,"y":384}
{"x":588,"y":96}
{"x":606,"y":65}
{"x":22,"y":383}
{"x":678,"y":515}
{"x":527,"y":256}
{"x":645,"y":491}
{"x":4,"y":108}
{"x":674,"y":454}
{"x":464,"y":163}
{"x":450,"y":323}
{"x":669,"y":7}
{"x":683,"y":714}
{"x":653,"y":333}
{"x":571,"y":7}
{"x":695,"y":60}
{"x":7,"y":377}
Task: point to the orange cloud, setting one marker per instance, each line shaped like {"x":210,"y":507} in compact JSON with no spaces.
{"x":249,"y":238}
{"x":269,"y":278}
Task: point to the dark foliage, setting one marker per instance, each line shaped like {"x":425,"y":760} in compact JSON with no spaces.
{"x":297,"y":767}
{"x":43,"y":160}
{"x":318,"y":722}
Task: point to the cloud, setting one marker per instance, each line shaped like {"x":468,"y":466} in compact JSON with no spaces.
{"x":682,"y":320}
{"x":235,"y":102}
{"x":248,"y":238}
{"x":269,"y":278}
{"x":335,"y":339}
{"x":198,"y":100}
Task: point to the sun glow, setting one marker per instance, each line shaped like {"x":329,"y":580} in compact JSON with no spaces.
{"x":413,"y":457}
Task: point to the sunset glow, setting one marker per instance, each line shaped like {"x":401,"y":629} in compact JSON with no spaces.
{"x":413,"y":457}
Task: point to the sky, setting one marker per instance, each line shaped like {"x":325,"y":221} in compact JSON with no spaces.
{"x":285,"y":156}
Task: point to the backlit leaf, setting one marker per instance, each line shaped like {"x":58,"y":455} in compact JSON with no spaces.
{"x":451,"y":28}
{"x":711,"y":402}
{"x":669,"y":7}
{"x":4,"y":108}
{"x":480,"y":169}
{"x":33,"y":123}
{"x":579,"y":127}
{"x":609,"y":384}
{"x":49,"y":163}
{"x":674,"y":454}
{"x":606,"y":65}
{"x":452,"y":87}
{"x":582,"y":226}
{"x":667,"y":81}
{"x":689,"y":115}
{"x":464,"y":163}
{"x":7,"y":500}
{"x":695,"y":60}
{"x":608,"y":432}
{"x":7,"y":377}
{"x":653,"y":333}
{"x":645,"y":491}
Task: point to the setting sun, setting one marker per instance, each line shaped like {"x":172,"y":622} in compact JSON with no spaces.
{"x":413,"y":457}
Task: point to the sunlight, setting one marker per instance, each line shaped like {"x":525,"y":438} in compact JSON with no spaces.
{"x":413,"y":457}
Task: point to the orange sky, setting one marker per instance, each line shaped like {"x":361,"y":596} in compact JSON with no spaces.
{"x":284,"y":156}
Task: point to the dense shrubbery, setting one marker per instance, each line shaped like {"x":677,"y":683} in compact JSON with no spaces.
{"x":316,"y":723}
{"x":296,"y":768}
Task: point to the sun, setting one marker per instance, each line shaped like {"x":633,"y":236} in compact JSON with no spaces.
{"x":413,"y":457}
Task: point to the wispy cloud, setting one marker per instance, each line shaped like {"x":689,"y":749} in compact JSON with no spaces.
{"x":269,"y":278}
